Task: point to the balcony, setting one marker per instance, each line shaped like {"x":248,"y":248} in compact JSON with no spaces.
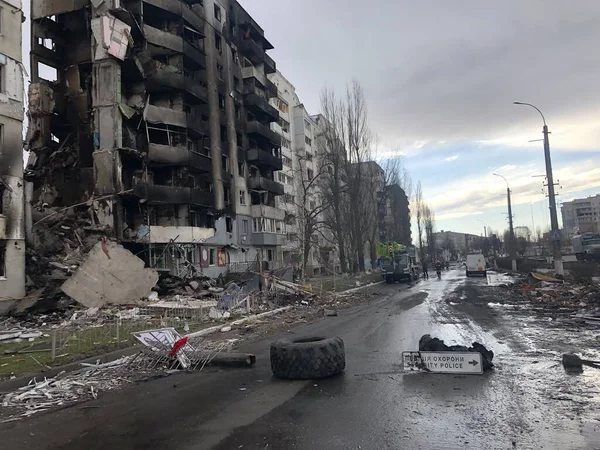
{"x":260,"y":104}
{"x":160,"y":41}
{"x":264,"y":131}
{"x":262,"y":157}
{"x":268,"y":212}
{"x":252,"y":50}
{"x":254,"y":72}
{"x":159,"y":78}
{"x":178,"y":156}
{"x":271,"y":89}
{"x":156,"y":194}
{"x":195,"y":17}
{"x":267,"y":239}
{"x":159,"y":114}
{"x":270,"y":66}
{"x":264,"y":184}
{"x":183,"y":234}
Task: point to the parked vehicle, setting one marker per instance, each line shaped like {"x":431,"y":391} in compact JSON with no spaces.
{"x":476,"y":265}
{"x":586,"y":246}
{"x":401,"y":265}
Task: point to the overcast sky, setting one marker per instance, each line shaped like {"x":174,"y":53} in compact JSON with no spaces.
{"x":440,"y":77}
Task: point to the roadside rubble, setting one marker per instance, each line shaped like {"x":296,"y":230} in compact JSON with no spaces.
{"x":164,"y":352}
{"x":67,"y":388}
{"x":578,"y":300}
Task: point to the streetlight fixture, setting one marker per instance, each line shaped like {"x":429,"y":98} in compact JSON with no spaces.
{"x":555,"y":233}
{"x":510,"y":225}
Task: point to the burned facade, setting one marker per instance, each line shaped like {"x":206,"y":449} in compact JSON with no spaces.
{"x":12,"y":189}
{"x":155,"y":115}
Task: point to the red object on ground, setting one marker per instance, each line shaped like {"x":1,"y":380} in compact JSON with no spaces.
{"x":178,"y":345}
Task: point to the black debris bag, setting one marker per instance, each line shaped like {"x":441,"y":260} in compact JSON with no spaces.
{"x":429,"y":344}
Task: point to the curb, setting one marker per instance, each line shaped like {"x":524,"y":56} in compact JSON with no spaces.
{"x":211,"y":330}
{"x":358,"y":288}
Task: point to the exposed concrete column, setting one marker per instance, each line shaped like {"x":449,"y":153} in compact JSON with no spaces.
{"x":107,"y":132}
{"x":231,"y":131}
{"x":12,"y":186}
{"x":214,"y":118}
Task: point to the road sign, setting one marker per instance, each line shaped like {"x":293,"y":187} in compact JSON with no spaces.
{"x":555,"y":235}
{"x":443,"y":362}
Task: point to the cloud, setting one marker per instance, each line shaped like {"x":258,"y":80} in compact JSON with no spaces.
{"x":472,"y":195}
{"x":451,"y":158}
{"x":453,"y":79}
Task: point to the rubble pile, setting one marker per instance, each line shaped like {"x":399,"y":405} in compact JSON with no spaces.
{"x":60,"y":239}
{"x":68,"y":388}
{"x":547,"y":292}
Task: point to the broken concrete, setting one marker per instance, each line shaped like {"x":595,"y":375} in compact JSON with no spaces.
{"x":110,"y":275}
{"x":429,"y":344}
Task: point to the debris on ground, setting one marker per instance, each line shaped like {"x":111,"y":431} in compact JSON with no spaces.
{"x":572,"y":361}
{"x":110,"y":275}
{"x":431,"y":344}
{"x":544,"y":277}
{"x":68,"y":388}
{"x":579,"y":300}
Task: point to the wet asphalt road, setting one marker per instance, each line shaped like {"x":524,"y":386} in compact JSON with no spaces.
{"x":527,"y":402}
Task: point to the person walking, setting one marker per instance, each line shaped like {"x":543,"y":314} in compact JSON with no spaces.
{"x":425,"y":273}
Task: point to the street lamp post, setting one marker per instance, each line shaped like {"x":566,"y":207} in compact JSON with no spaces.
{"x":555,"y":233}
{"x":484,"y":228}
{"x":510,"y":226}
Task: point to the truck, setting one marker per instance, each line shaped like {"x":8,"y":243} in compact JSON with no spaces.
{"x":475,"y":264}
{"x":401,"y":263}
{"x":586,"y":246}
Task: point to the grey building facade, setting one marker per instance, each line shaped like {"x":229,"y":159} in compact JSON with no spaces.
{"x":12,"y":187}
{"x":159,"y":117}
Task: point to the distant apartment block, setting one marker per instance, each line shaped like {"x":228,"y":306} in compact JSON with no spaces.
{"x":581,"y":215}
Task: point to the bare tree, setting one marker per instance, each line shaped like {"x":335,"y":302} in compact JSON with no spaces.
{"x":419,"y":205}
{"x":310,"y":205}
{"x":350,"y":179}
{"x":333,"y":156}
{"x":429,"y":225}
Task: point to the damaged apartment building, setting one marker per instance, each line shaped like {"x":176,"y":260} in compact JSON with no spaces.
{"x":155,"y":115}
{"x":12,"y":189}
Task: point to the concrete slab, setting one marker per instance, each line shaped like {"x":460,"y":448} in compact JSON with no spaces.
{"x":110,"y":276}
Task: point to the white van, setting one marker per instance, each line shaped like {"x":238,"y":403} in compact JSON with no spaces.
{"x":476,"y":264}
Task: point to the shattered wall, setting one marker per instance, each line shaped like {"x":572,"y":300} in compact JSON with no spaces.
{"x":12,"y":204}
{"x":143,"y":125}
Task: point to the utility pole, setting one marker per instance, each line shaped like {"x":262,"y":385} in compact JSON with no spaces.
{"x":555,"y":232}
{"x":511,"y":230}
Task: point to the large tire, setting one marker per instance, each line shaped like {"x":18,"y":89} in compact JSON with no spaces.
{"x":307,"y":358}
{"x":389,"y":279}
